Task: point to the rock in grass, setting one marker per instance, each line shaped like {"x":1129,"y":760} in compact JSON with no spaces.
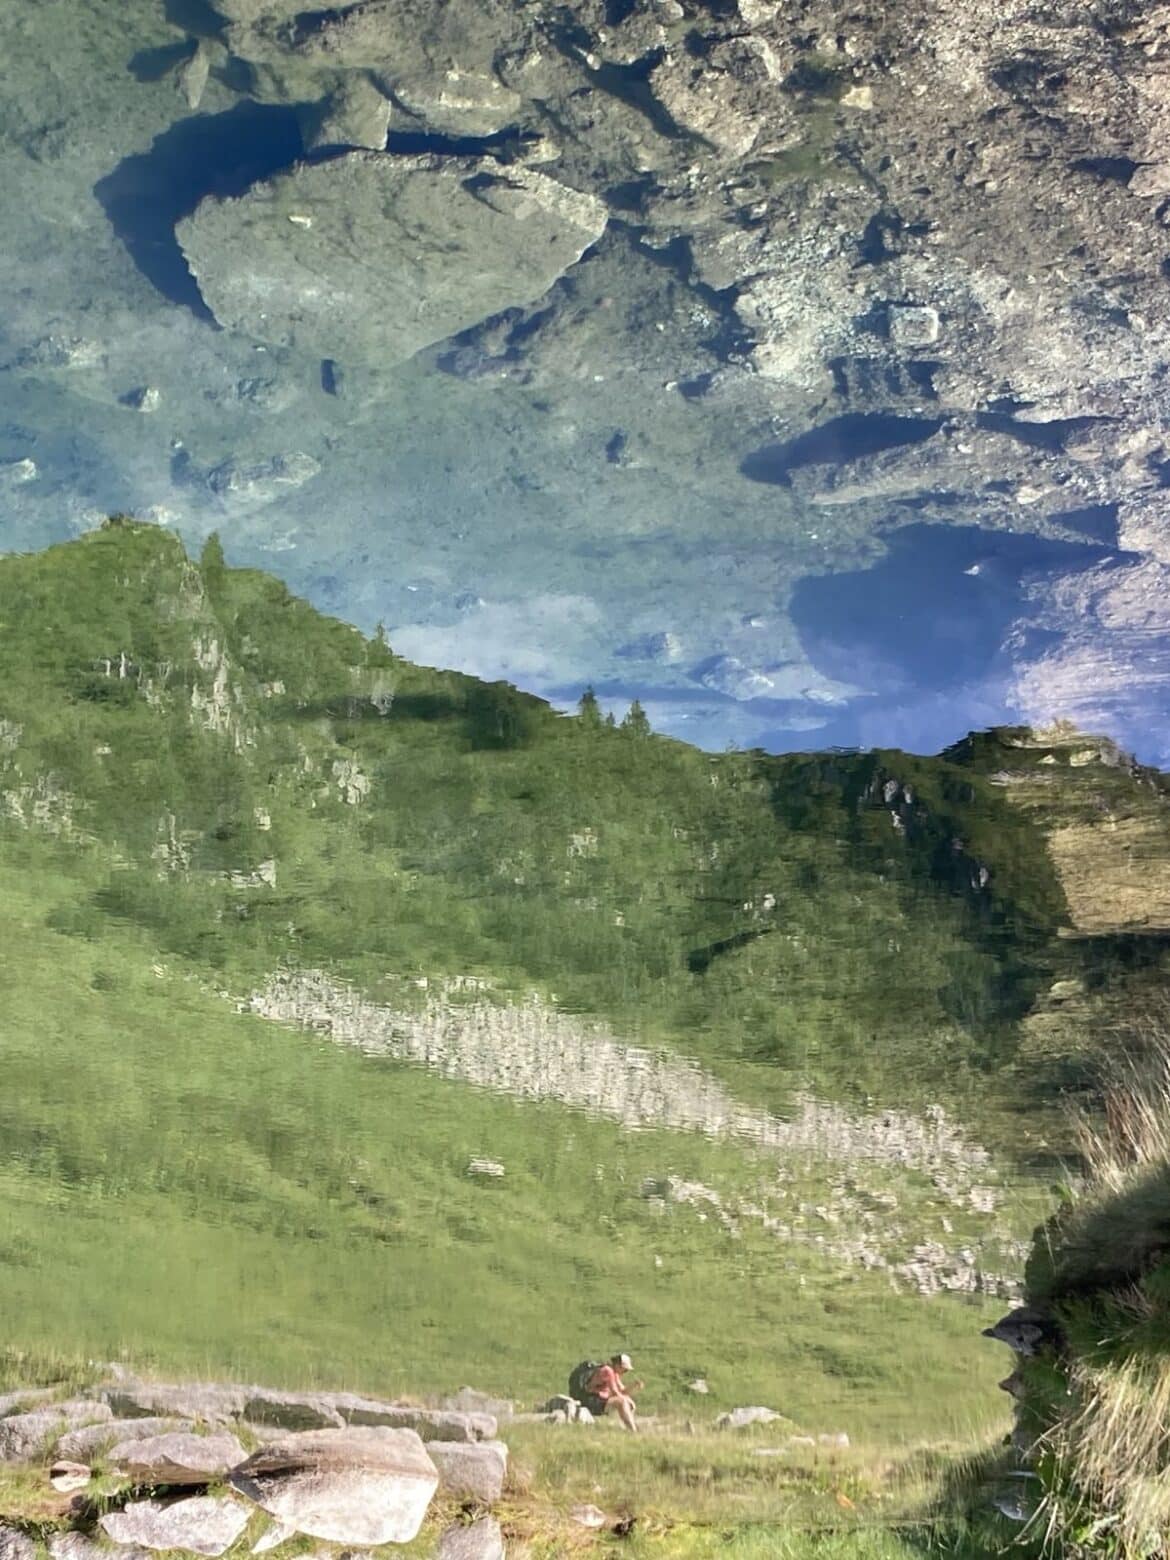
{"x":209,"y":1401}
{"x":278,"y":1533}
{"x":178,"y":1458}
{"x":588,"y":1516}
{"x":470,"y":1401}
{"x":369,"y":257}
{"x":432,"y":1424}
{"x":66,"y":1477}
{"x":79,"y":1546}
{"x":480,"y":1540}
{"x":291,"y":1410}
{"x":202,"y":1524}
{"x":368,"y":1485}
{"x":94,"y":1440}
{"x":22,"y":1399}
{"x":471,"y":1472}
{"x":24,"y":1436}
{"x":15,"y":1545}
{"x":740,"y":1418}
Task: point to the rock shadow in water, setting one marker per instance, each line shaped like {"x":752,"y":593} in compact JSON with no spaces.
{"x":836,"y":443}
{"x":207,"y":154}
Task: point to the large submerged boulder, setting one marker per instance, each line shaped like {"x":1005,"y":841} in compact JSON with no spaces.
{"x":369,"y":257}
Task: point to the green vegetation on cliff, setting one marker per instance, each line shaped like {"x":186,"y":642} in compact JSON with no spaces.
{"x":205,"y":784}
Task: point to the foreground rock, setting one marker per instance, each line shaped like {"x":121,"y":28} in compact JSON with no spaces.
{"x":201,"y":1524}
{"x":368,"y":258}
{"x":94,"y":1440}
{"x":471,"y":1472}
{"x":482,"y":1540}
{"x":23,"y":1436}
{"x":368,"y":1485}
{"x":15,"y":1546}
{"x":22,"y":1400}
{"x":178,"y":1458}
{"x":209,"y":1401}
{"x":68,"y":1477}
{"x":79,"y":1546}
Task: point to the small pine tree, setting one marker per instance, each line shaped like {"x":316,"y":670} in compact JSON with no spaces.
{"x":378,"y":651}
{"x":588,"y":709}
{"x":211,"y":559}
{"x":635,"y":722}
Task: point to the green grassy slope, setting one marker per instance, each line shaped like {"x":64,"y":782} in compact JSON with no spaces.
{"x":203,"y":781}
{"x":216,"y":1193}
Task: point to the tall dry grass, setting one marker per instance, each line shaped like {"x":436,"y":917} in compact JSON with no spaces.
{"x":1105,"y":1460}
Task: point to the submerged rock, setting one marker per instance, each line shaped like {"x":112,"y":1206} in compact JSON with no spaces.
{"x":357,"y":114}
{"x":368,"y":258}
{"x":239,"y":483}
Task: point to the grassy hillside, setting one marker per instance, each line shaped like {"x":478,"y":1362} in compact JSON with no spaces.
{"x":204,"y":784}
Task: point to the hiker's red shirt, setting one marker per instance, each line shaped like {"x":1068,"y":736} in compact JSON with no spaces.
{"x":606,"y":1383}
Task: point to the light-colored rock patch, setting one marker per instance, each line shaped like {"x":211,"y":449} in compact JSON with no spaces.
{"x":202,"y":1524}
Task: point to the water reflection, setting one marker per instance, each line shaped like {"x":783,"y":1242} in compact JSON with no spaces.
{"x":749,"y":460}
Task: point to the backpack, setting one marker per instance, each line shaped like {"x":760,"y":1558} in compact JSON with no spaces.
{"x":580,"y":1377}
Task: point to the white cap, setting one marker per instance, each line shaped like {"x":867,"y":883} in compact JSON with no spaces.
{"x":625,"y":1362}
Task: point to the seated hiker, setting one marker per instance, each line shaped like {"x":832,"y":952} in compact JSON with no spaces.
{"x":605,"y":1389}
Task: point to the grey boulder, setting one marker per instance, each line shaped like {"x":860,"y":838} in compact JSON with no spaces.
{"x":15,"y":1545}
{"x":480,"y":1540}
{"x":208,"y":1401}
{"x":432,"y":1424}
{"x":357,"y":114}
{"x":470,"y":1401}
{"x":178,"y":1458}
{"x":291,"y":1410}
{"x":367,"y":1485}
{"x":369,"y":257}
{"x":66,"y":1477}
{"x":471,"y":1472}
{"x":23,"y":1436}
{"x":23,"y":1399}
{"x":83,"y":1445}
{"x":79,"y":1546}
{"x":202,"y":1524}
